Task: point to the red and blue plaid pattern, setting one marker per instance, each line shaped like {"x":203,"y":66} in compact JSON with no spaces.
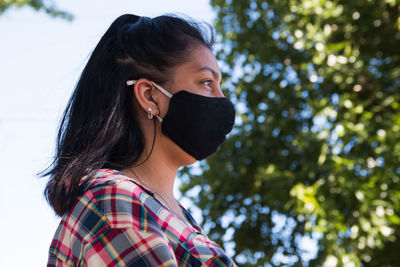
{"x":117,"y":222}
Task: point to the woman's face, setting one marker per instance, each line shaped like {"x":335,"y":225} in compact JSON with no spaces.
{"x":199,"y":75}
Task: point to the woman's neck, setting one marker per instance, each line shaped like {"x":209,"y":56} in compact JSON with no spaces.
{"x":158,"y":171}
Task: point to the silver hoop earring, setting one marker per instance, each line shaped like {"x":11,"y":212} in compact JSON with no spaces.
{"x":149,"y":114}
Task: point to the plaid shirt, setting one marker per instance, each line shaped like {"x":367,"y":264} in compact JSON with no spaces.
{"x":117,"y":222}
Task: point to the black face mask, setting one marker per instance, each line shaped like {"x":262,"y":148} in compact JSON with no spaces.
{"x":197,"y":124}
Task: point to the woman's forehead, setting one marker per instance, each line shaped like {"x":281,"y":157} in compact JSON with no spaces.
{"x":202,"y":59}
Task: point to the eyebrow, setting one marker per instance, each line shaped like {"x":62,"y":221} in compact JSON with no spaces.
{"x":215,"y":74}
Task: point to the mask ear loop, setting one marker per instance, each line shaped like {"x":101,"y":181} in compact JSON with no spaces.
{"x":165,"y":92}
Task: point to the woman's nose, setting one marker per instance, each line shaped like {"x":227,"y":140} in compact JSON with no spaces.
{"x":219,"y":92}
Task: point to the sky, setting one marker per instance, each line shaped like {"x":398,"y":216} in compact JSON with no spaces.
{"x":41,"y":59}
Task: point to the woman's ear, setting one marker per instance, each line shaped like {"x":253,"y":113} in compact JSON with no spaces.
{"x":144,"y":92}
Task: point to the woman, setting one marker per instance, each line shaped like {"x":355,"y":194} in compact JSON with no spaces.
{"x":148,"y":102}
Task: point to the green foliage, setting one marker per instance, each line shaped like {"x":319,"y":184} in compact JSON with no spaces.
{"x":38,"y":5}
{"x":316,"y":145}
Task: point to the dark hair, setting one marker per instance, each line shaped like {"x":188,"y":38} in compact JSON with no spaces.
{"x":98,"y":128}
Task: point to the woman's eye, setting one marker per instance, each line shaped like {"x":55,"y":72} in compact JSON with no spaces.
{"x":207,"y":82}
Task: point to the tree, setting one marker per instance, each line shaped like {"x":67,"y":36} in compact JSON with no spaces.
{"x":38,"y":5}
{"x":316,"y":146}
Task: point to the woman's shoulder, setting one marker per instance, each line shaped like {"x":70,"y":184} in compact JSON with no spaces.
{"x":122,"y":201}
{"x":108,"y":220}
{"x":126,"y":203}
